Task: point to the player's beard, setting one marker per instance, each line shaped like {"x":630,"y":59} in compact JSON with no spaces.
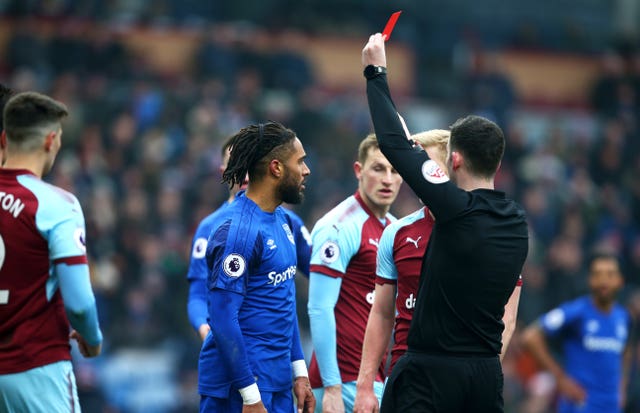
{"x":289,"y":189}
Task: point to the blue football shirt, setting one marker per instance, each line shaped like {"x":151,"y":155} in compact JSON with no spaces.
{"x":197,"y":273}
{"x":593,"y":344}
{"x":252,"y":254}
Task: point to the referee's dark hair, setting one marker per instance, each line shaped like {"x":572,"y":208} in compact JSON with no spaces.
{"x":253,"y":147}
{"x":481,"y":142}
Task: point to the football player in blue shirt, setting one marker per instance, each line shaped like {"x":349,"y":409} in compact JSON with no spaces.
{"x":248,"y":361}
{"x":594,"y":331}
{"x":197,"y":274}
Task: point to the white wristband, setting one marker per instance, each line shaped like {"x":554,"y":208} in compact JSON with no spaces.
{"x":250,"y":394}
{"x":299,"y":368}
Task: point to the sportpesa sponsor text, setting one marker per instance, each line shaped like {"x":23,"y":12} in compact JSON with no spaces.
{"x":276,"y":278}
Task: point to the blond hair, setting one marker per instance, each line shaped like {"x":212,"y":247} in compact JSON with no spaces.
{"x":437,"y":138}
{"x":370,"y":142}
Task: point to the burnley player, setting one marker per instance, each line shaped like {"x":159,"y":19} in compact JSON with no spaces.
{"x":594,"y":331}
{"x":342,"y":281}
{"x":400,"y":252}
{"x":248,"y":360}
{"x":471,"y":267}
{"x":44,"y":276}
{"x":197,"y":274}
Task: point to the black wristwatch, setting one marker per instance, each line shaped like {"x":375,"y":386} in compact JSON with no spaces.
{"x":372,"y":71}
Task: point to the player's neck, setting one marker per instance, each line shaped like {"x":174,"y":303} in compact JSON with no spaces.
{"x":27,"y":161}
{"x":263,"y":197}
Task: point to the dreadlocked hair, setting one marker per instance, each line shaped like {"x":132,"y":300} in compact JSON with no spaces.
{"x":250,"y":147}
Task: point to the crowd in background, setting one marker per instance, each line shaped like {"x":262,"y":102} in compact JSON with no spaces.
{"x":141,"y":151}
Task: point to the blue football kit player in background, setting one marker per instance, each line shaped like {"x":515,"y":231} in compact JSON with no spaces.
{"x":197,"y":274}
{"x":594,"y":332}
{"x":253,"y":352}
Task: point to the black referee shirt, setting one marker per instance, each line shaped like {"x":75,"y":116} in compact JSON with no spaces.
{"x":475,"y":254}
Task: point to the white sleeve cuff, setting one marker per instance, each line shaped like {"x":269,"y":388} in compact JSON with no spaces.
{"x":299,"y":368}
{"x":250,"y":394}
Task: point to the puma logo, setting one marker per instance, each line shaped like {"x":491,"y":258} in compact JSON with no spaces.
{"x":373,"y":242}
{"x":414,"y":241}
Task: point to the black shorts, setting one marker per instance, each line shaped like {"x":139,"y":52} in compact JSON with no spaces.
{"x":444,"y":384}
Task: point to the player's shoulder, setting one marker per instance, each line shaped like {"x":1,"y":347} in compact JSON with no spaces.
{"x":55,"y":199}
{"x":347,"y":214}
{"x":396,"y":226}
{"x":409,"y":219}
{"x":214,"y":218}
{"x":49,"y":191}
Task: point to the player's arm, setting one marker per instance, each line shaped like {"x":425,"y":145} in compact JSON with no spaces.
{"x":79,"y":304}
{"x":535,"y":340}
{"x":510,"y":317}
{"x":380,"y":323}
{"x":64,"y":230}
{"x":376,"y":341}
{"x":197,"y":275}
{"x":228,"y":336}
{"x":226,"y":291}
{"x":323,"y":296}
{"x":423,"y":175}
{"x":303,"y":248}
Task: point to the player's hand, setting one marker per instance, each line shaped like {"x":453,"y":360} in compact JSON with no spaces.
{"x":304,"y":396}
{"x":366,"y":401}
{"x":570,"y":389}
{"x":332,"y":399}
{"x":204,"y":330}
{"x":373,"y":52}
{"x":85,"y":348}
{"x":254,"y":408}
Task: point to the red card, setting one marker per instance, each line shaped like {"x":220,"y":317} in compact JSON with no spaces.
{"x":388,"y":28}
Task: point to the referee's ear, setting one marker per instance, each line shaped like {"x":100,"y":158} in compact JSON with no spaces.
{"x":456,"y":160}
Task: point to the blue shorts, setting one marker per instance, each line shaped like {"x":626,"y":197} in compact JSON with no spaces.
{"x":46,"y":389}
{"x":274,"y":402}
{"x":348,"y":395}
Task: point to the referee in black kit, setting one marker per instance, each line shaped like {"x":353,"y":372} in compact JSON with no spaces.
{"x":472,"y":265}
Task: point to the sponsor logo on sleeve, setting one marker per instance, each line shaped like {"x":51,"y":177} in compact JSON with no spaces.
{"x":79,"y":238}
{"x":199,"y":248}
{"x":432,"y":172}
{"x":329,"y":252}
{"x":234,"y":265}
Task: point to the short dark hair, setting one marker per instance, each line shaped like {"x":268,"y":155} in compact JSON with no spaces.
{"x":5,"y":94}
{"x":601,"y":254}
{"x":481,"y":142}
{"x":28,"y":114}
{"x":250,"y":150}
